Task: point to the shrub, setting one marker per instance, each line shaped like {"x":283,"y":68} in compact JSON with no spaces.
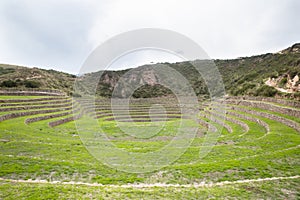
{"x":9,"y":84}
{"x":31,"y":84}
{"x":148,"y":91}
{"x":75,"y":94}
{"x":6,"y":70}
{"x":244,"y":89}
{"x":266,"y":91}
{"x":282,"y":82}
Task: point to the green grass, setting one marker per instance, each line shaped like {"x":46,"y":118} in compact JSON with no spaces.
{"x":36,"y":151}
{"x":257,"y":190}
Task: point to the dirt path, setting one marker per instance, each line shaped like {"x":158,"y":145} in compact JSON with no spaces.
{"x":143,"y":185}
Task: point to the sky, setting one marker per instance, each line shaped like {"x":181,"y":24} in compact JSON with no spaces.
{"x":61,"y":34}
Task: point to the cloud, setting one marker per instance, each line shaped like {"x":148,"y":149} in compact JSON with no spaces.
{"x":45,"y":34}
{"x":142,"y":57}
{"x":61,"y":34}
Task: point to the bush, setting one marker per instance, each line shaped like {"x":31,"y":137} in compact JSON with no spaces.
{"x":9,"y":84}
{"x":31,"y":84}
{"x":148,"y":91}
{"x":297,"y":95}
{"x":266,"y":91}
{"x":6,"y":70}
{"x":244,"y":89}
{"x":75,"y":94}
{"x":282,"y":82}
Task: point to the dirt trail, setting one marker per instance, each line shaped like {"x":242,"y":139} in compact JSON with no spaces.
{"x":143,"y":185}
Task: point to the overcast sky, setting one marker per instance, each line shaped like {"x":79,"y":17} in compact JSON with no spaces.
{"x":61,"y":34}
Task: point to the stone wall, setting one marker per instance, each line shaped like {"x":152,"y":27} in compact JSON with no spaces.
{"x":211,"y":117}
{"x":207,"y":125}
{"x":235,"y":121}
{"x":30,"y":100}
{"x":266,"y":106}
{"x":33,"y":107}
{"x":295,"y":104}
{"x":65,"y":120}
{"x":31,"y":92}
{"x":249,"y":118}
{"x":28,"y":113}
{"x":40,"y":118}
{"x":282,"y":120}
{"x":36,"y":103}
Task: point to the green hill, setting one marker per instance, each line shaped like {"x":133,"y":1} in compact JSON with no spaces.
{"x":19,"y":77}
{"x":270,"y":74}
{"x":241,"y":76}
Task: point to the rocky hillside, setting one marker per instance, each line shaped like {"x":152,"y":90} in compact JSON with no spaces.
{"x":272,"y":74}
{"x":250,"y":75}
{"x":19,"y":77}
{"x":285,"y":83}
{"x":263,"y":75}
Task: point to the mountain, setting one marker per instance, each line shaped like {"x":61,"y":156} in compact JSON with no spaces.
{"x":271,"y":74}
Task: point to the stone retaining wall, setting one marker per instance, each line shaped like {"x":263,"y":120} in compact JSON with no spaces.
{"x":207,"y":125}
{"x":282,"y":120}
{"x":235,"y":121}
{"x":249,"y":118}
{"x":22,"y":114}
{"x":35,"y":119}
{"x":208,"y":115}
{"x":30,"y":100}
{"x":33,"y":92}
{"x":295,"y":104}
{"x":266,"y":106}
{"x":36,"y":103}
{"x":65,"y":120}
{"x":33,"y":107}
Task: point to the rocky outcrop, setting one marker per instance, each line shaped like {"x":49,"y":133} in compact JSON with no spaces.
{"x":293,"y":49}
{"x":290,"y":84}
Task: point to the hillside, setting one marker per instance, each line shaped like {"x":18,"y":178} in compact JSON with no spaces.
{"x":247,"y":76}
{"x":262,"y":75}
{"x":241,"y":76}
{"x":12,"y":76}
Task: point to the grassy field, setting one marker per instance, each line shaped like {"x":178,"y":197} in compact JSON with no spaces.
{"x":256,"y":190}
{"x":258,"y":159}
